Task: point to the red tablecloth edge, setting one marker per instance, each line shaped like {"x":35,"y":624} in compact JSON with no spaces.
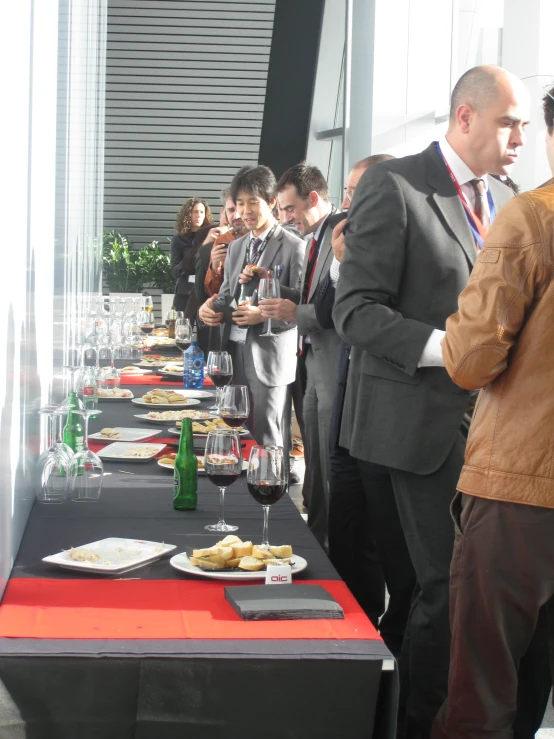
{"x":132,"y":379}
{"x":157,"y":609}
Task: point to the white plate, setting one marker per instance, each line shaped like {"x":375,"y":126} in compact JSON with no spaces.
{"x":125,"y":434}
{"x":115,"y":400}
{"x":181,"y":562}
{"x":150,"y":365}
{"x":137,"y":371}
{"x":116,"y":452}
{"x":200,"y":471}
{"x":161,"y":421}
{"x":165,"y":373}
{"x":177,"y":432}
{"x":194,"y":393}
{"x":154,"y":406}
{"x":117,"y":555}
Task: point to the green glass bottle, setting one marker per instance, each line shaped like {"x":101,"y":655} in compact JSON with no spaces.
{"x":185,"y":479}
{"x":73,"y":432}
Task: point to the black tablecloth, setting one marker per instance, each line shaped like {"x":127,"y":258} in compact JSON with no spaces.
{"x":64,"y":689}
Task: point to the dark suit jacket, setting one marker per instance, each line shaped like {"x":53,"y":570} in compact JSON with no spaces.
{"x":183,"y":250}
{"x":409,"y":252}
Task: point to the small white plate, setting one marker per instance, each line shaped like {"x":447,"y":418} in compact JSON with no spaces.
{"x":200,"y":471}
{"x":115,"y":400}
{"x":161,"y":421}
{"x":125,"y":434}
{"x":181,"y":562}
{"x":154,"y":406}
{"x":177,"y":432}
{"x":185,"y":392}
{"x":117,"y":452}
{"x":150,"y":365}
{"x":117,"y":555}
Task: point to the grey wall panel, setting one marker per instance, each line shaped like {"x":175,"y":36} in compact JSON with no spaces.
{"x":185,"y":95}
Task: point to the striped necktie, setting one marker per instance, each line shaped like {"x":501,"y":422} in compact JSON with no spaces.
{"x":481,"y":205}
{"x":254,"y":248}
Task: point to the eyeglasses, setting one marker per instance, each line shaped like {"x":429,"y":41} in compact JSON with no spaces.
{"x":347,"y":194}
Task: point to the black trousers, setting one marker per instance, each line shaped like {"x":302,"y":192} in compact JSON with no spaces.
{"x":502,"y":604}
{"x":353,"y":546}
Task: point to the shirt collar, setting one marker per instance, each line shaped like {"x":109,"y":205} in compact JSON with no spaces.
{"x":316,"y":234}
{"x":459,"y":168}
{"x":262,"y":235}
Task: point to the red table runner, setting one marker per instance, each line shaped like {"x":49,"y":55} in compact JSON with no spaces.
{"x":133,"y":379}
{"x":95,"y":446}
{"x":157,"y":609}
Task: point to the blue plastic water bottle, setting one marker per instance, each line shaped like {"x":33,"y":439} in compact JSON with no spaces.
{"x":193,"y":376}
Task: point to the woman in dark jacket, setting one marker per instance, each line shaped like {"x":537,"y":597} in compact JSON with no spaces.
{"x":194,"y":219}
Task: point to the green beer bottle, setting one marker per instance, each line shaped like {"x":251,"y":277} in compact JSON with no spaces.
{"x":185,"y":478}
{"x":73,"y":432}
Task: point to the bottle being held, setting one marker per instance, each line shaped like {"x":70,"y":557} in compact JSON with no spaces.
{"x":193,"y":361}
{"x":243,"y":297}
{"x":73,"y":432}
{"x":185,"y":479}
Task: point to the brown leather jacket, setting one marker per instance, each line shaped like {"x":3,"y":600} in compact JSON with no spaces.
{"x":502,"y":340}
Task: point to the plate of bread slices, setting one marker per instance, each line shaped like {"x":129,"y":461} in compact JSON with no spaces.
{"x":234,"y":559}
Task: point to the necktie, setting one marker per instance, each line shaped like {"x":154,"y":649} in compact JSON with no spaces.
{"x":310,"y":269}
{"x":254,"y":247}
{"x":481,"y":209}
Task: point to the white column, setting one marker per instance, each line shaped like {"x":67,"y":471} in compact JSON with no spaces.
{"x":527,"y":52}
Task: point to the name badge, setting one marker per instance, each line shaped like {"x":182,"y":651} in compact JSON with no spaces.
{"x":192,"y":278}
{"x":238,"y":334}
{"x":278,"y":575}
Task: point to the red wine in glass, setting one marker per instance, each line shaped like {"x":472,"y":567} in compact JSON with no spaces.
{"x":220,"y":379}
{"x":147,"y":328}
{"x":222,"y":479}
{"x":182,"y":345}
{"x":233,"y":421}
{"x":266,"y":493}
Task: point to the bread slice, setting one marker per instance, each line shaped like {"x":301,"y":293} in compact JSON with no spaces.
{"x":232,"y":562}
{"x":242,"y":549}
{"x":206,"y":552}
{"x":206,"y":564}
{"x":251,"y":563}
{"x":229,"y":541}
{"x":226,"y":553}
{"x":260,"y":552}
{"x":280,"y":552}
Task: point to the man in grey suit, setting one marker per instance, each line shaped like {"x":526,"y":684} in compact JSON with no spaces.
{"x":303,"y":198}
{"x":266,"y":364}
{"x":412,"y":237}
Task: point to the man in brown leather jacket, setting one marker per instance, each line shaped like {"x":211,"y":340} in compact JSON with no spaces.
{"x":502,"y":340}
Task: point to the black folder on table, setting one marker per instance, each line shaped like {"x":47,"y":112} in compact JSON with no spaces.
{"x":276,"y":602}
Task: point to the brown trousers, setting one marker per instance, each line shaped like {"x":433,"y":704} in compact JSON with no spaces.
{"x":502,"y":574}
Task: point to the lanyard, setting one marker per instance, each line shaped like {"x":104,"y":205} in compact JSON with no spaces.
{"x":261,"y":248}
{"x":474,"y":221}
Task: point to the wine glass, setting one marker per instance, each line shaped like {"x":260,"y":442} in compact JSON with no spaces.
{"x":53,"y":465}
{"x":183,"y":334}
{"x":146,"y":304}
{"x":220,"y":372}
{"x":86,"y":470}
{"x":234,"y":406}
{"x":269,"y":288}
{"x":266,"y":479}
{"x":171,"y":316}
{"x":223,"y":465}
{"x":146,"y":321}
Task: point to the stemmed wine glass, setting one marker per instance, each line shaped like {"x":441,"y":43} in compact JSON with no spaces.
{"x":183,"y":334}
{"x":53,"y":465}
{"x":147,"y":304}
{"x":234,"y":406}
{"x":269,"y":288}
{"x":223,"y":465}
{"x":146,"y":321}
{"x":220,"y":372}
{"x":266,"y":479}
{"x":86,"y":469}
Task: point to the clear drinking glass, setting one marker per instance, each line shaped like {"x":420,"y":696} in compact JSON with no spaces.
{"x":147,"y":304}
{"x":183,"y":334}
{"x":234,"y":405}
{"x":267,"y":480}
{"x":146,"y":322}
{"x":220,"y":371}
{"x":53,"y":465}
{"x":223,"y":465}
{"x":269,"y":288}
{"x":86,"y":470}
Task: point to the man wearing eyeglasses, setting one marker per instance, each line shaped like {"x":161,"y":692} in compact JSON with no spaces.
{"x":413,"y":234}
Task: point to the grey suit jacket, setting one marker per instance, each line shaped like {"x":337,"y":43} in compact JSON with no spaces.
{"x":274,"y":356}
{"x":325,"y":342}
{"x":409,"y":253}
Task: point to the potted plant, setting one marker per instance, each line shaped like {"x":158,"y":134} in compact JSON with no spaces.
{"x":121,"y":270}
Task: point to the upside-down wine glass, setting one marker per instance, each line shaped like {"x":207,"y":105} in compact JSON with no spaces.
{"x":267,"y":480}
{"x":86,"y":468}
{"x":223,"y":465}
{"x":268,"y":289}
{"x":53,"y":465}
{"x":220,"y":371}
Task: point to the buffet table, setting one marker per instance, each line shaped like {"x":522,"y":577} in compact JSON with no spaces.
{"x":158,"y":653}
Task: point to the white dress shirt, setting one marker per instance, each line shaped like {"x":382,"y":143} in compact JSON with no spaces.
{"x":432,"y":352}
